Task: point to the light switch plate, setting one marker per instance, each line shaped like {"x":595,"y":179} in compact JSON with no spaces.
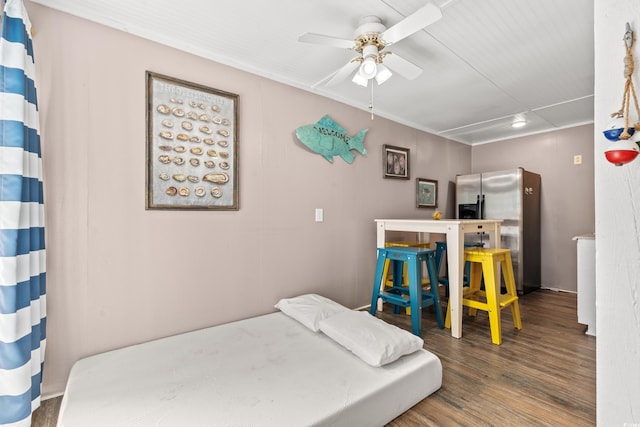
{"x":319,"y":215}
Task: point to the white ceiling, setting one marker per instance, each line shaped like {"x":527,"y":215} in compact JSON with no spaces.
{"x":483,"y":62}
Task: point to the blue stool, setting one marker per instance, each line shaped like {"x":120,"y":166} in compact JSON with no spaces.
{"x":441,"y":248}
{"x":396,"y":294}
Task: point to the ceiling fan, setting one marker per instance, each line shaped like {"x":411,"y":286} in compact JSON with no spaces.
{"x":370,"y":39}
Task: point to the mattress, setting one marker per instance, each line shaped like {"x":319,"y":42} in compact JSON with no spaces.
{"x":264,"y":371}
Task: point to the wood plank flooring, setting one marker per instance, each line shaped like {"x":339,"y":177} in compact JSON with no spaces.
{"x":542,"y":375}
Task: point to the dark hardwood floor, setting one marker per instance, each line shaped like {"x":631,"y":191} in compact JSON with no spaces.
{"x":542,"y":375}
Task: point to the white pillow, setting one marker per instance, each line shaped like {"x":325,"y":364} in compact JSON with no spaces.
{"x":371,"y":339}
{"x":309,"y":309}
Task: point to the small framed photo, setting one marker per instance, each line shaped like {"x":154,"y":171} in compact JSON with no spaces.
{"x":395,"y":162}
{"x":426,"y":193}
{"x":192,"y":146}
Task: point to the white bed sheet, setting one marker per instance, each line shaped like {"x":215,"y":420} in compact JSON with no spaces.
{"x":263,"y":371}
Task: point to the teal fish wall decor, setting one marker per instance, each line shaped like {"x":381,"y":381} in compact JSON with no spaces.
{"x":329,"y":139}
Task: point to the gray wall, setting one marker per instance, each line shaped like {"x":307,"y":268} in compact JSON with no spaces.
{"x":567,"y":194}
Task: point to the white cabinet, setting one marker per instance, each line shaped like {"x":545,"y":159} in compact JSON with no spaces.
{"x":587,"y":282}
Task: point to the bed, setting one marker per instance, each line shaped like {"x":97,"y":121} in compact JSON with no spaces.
{"x":270,"y":370}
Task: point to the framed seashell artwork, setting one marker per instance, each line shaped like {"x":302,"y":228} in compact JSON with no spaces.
{"x":198,"y":112}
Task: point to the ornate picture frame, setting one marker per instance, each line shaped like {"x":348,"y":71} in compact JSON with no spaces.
{"x":426,"y":193}
{"x":395,"y":162}
{"x":192,"y":145}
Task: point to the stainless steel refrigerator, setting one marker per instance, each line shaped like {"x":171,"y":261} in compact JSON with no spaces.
{"x":513,"y":196}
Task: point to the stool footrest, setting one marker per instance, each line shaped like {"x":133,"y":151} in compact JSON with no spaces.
{"x":505,"y":300}
{"x":476,"y":304}
{"x":395,"y":299}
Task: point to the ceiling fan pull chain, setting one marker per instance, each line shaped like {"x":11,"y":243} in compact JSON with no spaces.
{"x":371,"y":101}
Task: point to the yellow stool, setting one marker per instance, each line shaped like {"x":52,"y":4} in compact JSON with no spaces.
{"x":405,"y":274}
{"x":495,"y":301}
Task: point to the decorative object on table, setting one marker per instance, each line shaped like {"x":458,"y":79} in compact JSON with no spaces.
{"x":395,"y":162}
{"x":192,"y":146}
{"x":329,"y":139}
{"x":624,"y":147}
{"x":426,"y":193}
{"x":437,"y":215}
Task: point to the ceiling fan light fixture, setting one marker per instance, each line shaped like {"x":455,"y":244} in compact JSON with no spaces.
{"x":359,"y":80}
{"x":370,"y":39}
{"x":369,"y":68}
{"x":383,"y":74}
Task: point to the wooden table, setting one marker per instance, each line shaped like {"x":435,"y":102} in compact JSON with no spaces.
{"x":455,"y":229}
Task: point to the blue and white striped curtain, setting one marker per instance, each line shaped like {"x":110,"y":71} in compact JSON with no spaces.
{"x":22,"y":251}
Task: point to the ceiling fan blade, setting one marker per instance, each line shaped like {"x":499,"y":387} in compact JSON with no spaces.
{"x":401,"y":66}
{"x":427,"y":15}
{"x":343,"y":72}
{"x":326,"y":40}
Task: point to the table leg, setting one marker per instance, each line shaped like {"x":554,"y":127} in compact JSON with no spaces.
{"x":494,"y":236}
{"x":380,"y":241}
{"x":494,"y":242}
{"x":455,"y":256}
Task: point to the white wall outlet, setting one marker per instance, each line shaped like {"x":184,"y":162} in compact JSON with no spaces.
{"x":577,"y":159}
{"x":319,"y":215}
